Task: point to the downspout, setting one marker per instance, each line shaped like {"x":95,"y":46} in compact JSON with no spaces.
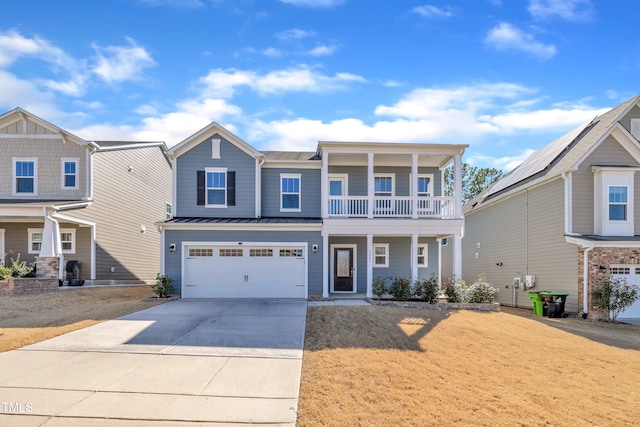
{"x":57,"y":244}
{"x":585,"y":282}
{"x":259,"y":187}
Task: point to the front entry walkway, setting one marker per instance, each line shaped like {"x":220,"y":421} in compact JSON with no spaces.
{"x":184,"y":362}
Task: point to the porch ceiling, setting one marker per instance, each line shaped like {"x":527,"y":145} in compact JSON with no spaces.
{"x":361,"y":159}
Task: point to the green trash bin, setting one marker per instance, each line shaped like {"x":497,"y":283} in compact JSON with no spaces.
{"x":537,"y":303}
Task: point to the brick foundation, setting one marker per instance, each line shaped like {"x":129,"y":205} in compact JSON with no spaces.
{"x":602,"y":257}
{"x":27,"y":286}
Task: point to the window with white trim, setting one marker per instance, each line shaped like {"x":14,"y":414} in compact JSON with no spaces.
{"x":290,"y":192}
{"x":35,"y":240}
{"x":383,"y":185}
{"x":67,"y":240}
{"x":25,"y":176}
{"x":613,"y":200}
{"x":381,"y":255}
{"x":618,"y":203}
{"x":70,"y":173}
{"x":216,"y":187}
{"x":423,"y":255}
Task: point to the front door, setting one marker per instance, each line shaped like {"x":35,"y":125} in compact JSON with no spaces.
{"x":343,"y":270}
{"x":337,"y":188}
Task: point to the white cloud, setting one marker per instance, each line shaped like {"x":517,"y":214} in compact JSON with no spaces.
{"x":322,"y":50}
{"x":570,"y":10}
{"x":429,"y":11}
{"x":223,"y":83}
{"x":505,"y":36}
{"x":121,"y":63}
{"x":294,"y":34}
{"x":314,"y":3}
{"x":392,"y":83}
{"x":272,"y":52}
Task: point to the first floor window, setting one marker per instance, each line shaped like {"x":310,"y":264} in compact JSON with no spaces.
{"x":35,"y":240}
{"x":216,"y":187}
{"x":290,"y":192}
{"x":423,"y":255}
{"x":69,"y":173}
{"x":24,"y":176}
{"x":381,"y":255}
{"x":617,"y":203}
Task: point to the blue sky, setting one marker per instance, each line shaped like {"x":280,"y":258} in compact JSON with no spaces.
{"x":504,"y":76}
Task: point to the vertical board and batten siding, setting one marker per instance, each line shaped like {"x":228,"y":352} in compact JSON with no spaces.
{"x":357,"y":178}
{"x":609,"y":153}
{"x":173,"y":260}
{"x":524,"y":232}
{"x":49,"y":153}
{"x":16,"y":235}
{"x":309,"y":192}
{"x":124,"y":202}
{"x":32,"y":129}
{"x":634,"y":113}
{"x":199,"y":158}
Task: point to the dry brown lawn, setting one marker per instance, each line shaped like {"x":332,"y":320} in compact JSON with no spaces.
{"x":29,"y":319}
{"x":381,"y":366}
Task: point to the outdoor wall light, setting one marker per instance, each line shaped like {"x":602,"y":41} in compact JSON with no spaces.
{"x":314,"y":248}
{"x":172,"y":247}
{"x":602,"y":268}
{"x":499,"y":264}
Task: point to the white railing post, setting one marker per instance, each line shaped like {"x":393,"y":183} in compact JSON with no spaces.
{"x":414,"y":187}
{"x":370,"y":185}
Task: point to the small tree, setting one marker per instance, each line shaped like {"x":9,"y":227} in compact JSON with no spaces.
{"x":163,"y":286}
{"x":379,"y":286}
{"x":454,"y":290}
{"x":614,"y":296}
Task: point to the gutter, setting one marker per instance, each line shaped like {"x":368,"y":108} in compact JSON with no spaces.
{"x":585,"y":282}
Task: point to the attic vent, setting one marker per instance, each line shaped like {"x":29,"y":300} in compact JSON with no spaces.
{"x":635,"y":128}
{"x":215,"y":148}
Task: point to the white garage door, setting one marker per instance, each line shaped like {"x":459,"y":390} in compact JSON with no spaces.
{"x":244,"y":271}
{"x":632,"y":274}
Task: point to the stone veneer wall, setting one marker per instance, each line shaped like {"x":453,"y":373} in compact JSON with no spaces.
{"x":28,"y":286}
{"x":602,"y":257}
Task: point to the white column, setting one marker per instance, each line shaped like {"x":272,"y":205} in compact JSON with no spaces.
{"x":414,"y":257}
{"x":325,"y":266}
{"x":370,"y":185}
{"x":369,"y":265}
{"x":457,"y":171}
{"x":457,"y":257}
{"x":51,"y":246}
{"x":324,"y":185}
{"x":414,"y":187}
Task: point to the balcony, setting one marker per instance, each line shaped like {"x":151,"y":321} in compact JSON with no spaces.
{"x":391,"y":207}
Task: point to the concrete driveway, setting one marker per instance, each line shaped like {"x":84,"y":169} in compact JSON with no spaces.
{"x":187,"y":362}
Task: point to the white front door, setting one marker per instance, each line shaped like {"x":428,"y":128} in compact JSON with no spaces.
{"x":244,"y":271}
{"x":337,"y":187}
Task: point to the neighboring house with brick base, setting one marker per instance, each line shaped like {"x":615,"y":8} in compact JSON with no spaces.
{"x":96,"y":202}
{"x":568,"y":216}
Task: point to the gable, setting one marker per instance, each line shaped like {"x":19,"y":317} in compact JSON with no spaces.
{"x":206,"y":135}
{"x":19,"y":123}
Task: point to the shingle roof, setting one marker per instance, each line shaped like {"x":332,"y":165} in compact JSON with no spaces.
{"x":290,"y":155}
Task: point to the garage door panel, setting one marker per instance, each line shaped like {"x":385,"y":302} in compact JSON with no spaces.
{"x":247,"y":272}
{"x":631,"y":273}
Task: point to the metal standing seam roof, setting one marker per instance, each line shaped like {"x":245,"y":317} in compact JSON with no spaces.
{"x":290,"y":155}
{"x":206,"y":220}
{"x":563,"y":153}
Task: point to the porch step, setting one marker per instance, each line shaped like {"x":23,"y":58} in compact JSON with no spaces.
{"x":348,"y":296}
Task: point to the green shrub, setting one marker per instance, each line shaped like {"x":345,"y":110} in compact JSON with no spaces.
{"x":427,"y":290}
{"x":479,"y":292}
{"x":379,"y":286}
{"x":453,"y":290}
{"x":21,"y":268}
{"x":163,"y":286}
{"x":400,"y":289}
{"x":5,"y":272}
{"x":614,"y":296}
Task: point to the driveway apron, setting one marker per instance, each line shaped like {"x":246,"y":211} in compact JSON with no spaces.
{"x":186,"y":362}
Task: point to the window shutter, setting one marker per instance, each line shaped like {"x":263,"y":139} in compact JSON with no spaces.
{"x":201,"y":188}
{"x":231,"y":188}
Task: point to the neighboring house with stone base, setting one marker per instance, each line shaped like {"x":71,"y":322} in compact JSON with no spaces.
{"x":566,"y":217}
{"x":64,"y":198}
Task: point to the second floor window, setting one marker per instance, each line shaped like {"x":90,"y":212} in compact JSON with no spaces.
{"x":216,"y":187}
{"x":617,"y":203}
{"x":69,"y":173}
{"x":25,"y":176}
{"x":290,"y":192}
{"x":383,"y":185}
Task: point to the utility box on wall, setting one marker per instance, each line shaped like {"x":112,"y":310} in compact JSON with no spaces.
{"x":529,"y":281}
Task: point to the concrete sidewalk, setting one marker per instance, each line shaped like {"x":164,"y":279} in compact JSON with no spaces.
{"x":187,"y":362}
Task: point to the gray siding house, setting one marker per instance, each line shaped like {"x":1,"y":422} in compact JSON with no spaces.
{"x":565,"y":218}
{"x":251,"y":223}
{"x":95,"y":202}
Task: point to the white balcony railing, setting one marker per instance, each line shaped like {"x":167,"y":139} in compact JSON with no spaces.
{"x":391,"y":207}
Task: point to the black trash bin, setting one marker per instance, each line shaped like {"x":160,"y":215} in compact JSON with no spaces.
{"x":73,"y":273}
{"x":554,"y":303}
